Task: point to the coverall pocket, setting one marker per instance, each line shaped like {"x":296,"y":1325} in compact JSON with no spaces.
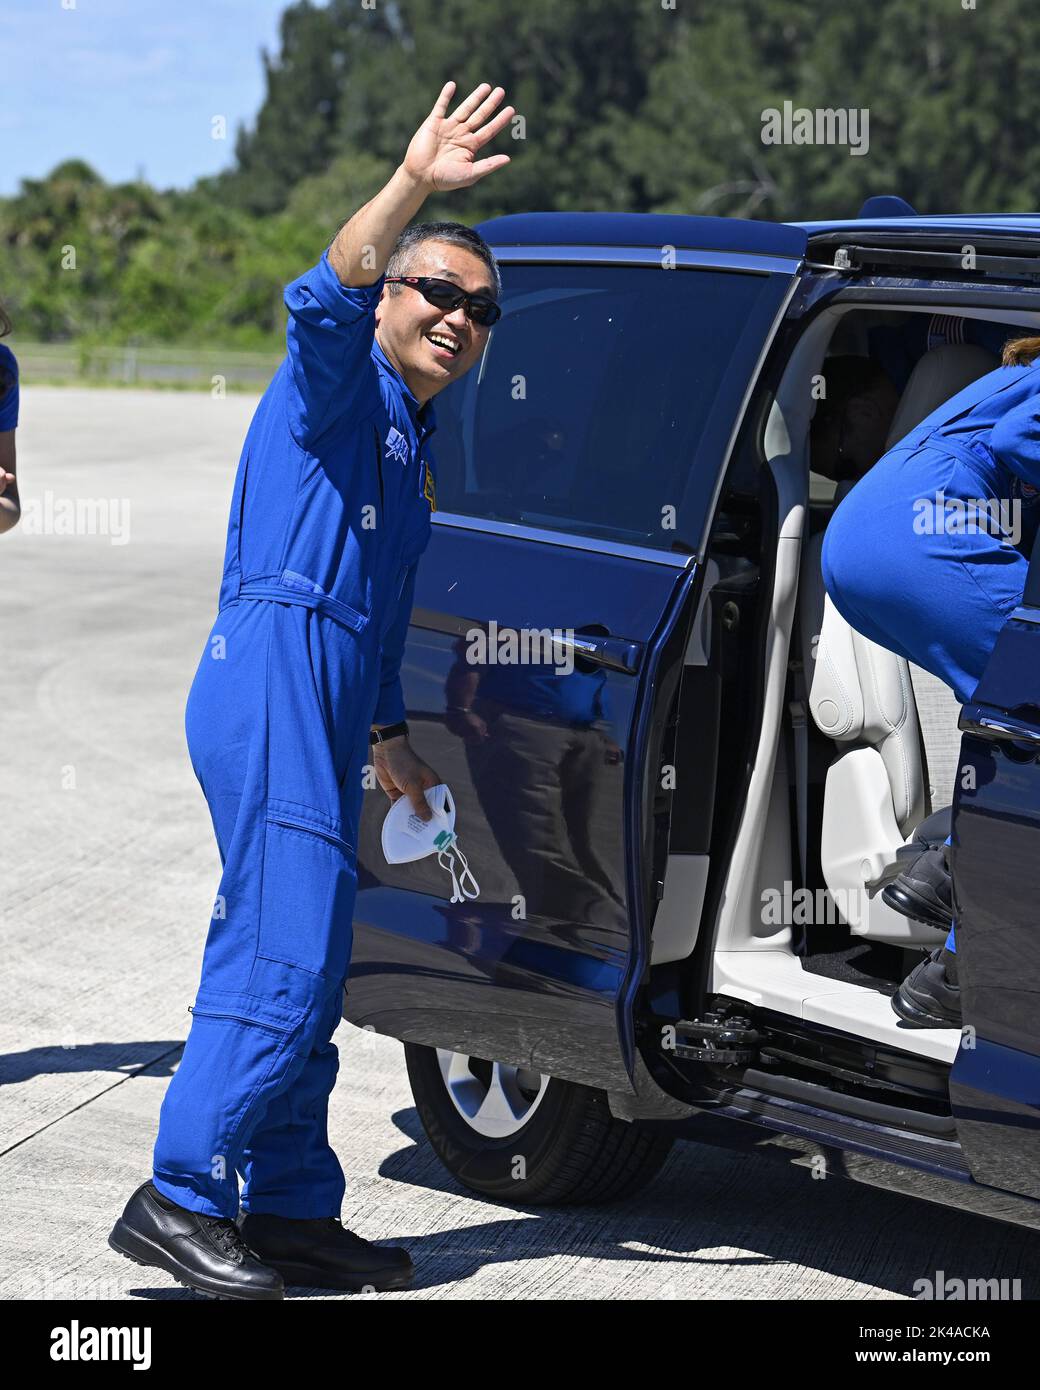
{"x":240,"y":1045}
{"x":307,"y":894}
{"x":313,"y":702}
{"x":273,"y":1015}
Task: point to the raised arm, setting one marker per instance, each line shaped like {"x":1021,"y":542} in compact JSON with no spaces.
{"x":332,"y":305}
{"x":441,"y":156}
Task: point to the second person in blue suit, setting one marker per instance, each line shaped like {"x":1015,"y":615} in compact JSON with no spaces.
{"x":927,"y":556}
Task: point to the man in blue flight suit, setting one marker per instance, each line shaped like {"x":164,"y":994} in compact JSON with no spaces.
{"x":927,"y":556}
{"x":329,"y":514}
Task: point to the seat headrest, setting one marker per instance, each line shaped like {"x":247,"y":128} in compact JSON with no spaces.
{"x":939,"y":375}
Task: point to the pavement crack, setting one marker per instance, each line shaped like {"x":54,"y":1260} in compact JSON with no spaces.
{"x":91,"y":1099}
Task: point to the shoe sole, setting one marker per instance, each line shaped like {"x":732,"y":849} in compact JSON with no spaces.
{"x":910,"y":904}
{"x":912,"y":1013}
{"x":125,"y":1241}
{"x":310,"y":1277}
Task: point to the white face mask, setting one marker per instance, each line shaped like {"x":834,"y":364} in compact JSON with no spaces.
{"x":407,"y":837}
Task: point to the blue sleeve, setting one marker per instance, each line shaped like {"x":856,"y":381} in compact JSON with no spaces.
{"x":390,"y":708}
{"x":329,"y":341}
{"x":9,"y":387}
{"x":1015,"y":439}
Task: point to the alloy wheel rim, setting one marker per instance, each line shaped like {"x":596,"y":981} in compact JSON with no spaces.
{"x":495,"y":1099}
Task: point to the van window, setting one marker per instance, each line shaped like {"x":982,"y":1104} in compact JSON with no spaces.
{"x":605,"y":400}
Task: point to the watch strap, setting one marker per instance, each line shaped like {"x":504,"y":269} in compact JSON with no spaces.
{"x":390,"y":731}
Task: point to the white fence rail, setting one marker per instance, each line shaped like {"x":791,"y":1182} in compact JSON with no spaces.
{"x":205,"y":369}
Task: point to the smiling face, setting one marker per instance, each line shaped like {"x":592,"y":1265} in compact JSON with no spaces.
{"x":432,"y":347}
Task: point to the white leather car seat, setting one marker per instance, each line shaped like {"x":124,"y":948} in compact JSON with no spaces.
{"x":894,"y":725}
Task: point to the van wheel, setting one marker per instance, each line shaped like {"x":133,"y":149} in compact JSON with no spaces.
{"x":518,"y":1136}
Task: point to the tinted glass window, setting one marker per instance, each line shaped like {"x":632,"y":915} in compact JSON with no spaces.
{"x":606,"y":396}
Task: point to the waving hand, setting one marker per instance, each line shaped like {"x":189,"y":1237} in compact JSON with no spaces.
{"x":442,"y":153}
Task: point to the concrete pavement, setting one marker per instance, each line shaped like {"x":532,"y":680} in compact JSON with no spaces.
{"x":108,"y":869}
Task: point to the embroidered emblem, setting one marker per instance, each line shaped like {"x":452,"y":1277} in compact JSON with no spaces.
{"x":429,"y":491}
{"x":396,"y":446}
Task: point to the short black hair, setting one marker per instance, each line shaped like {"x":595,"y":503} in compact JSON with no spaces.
{"x":455,"y":234}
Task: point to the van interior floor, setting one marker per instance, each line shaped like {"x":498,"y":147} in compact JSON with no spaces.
{"x":875,"y":964}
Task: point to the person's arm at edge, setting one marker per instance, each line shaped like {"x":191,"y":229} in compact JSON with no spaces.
{"x":10,"y":503}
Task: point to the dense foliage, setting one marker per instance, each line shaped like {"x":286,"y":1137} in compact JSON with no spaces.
{"x":627,"y":104}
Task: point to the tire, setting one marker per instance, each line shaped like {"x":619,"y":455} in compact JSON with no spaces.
{"x":562,"y":1145}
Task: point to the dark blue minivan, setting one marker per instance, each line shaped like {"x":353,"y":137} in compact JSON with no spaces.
{"x":682,"y":824}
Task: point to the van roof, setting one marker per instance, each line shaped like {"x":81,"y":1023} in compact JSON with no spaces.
{"x":653,"y":229}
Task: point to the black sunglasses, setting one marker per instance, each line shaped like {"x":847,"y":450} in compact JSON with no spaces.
{"x":481,"y":308}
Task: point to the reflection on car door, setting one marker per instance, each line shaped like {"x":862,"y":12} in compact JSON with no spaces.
{"x":576,"y":471}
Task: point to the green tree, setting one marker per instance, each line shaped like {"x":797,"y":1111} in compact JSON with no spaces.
{"x":621,"y":104}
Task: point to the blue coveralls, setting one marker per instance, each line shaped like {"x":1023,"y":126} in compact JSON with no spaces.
{"x":926,"y":590}
{"x":329,"y":514}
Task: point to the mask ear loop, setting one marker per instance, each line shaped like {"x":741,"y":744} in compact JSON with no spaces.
{"x":466,"y":873}
{"x":446,"y":859}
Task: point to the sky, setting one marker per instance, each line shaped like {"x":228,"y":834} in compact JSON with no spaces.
{"x":130,"y":86}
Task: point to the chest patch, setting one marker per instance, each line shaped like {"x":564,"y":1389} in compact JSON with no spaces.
{"x":396,"y":446}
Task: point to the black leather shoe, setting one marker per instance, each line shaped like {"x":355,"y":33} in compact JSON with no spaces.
{"x":924,"y":890}
{"x":320,"y":1253}
{"x":204,"y":1253}
{"x":930,"y":996}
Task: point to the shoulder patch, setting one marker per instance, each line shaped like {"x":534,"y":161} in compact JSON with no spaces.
{"x":396,"y":446}
{"x":429,"y":491}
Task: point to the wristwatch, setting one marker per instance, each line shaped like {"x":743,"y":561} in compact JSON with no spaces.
{"x":390,"y":731}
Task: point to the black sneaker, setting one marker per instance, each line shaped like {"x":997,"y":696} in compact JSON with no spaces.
{"x":924,"y":890}
{"x":930,"y":996}
{"x":204,"y":1253}
{"x":320,"y":1253}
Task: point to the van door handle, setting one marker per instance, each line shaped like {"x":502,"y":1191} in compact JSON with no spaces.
{"x":1003,"y":728}
{"x":616,"y":653}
